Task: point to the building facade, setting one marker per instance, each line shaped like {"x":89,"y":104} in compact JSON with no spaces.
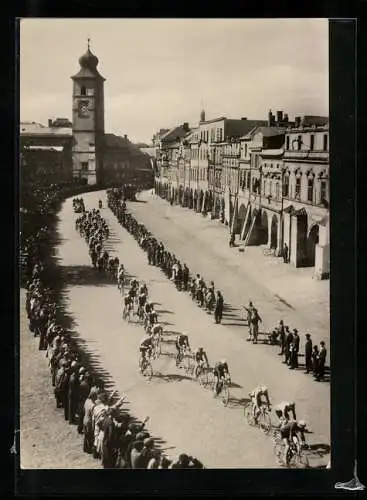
{"x":268,"y":181}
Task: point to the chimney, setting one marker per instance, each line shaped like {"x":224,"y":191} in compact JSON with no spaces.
{"x":279,"y":116}
{"x":244,"y":118}
{"x":270,"y":118}
{"x":297,"y":121}
{"x":125,"y":136}
{"x":185,"y":126}
{"x":286,"y":119}
{"x":49,"y":122}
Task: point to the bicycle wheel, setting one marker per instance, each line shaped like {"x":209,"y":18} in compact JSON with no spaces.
{"x":225,"y":394}
{"x":248,"y":412}
{"x":301,"y":461}
{"x":279,"y":452}
{"x":148,"y":370}
{"x":202,"y":376}
{"x":178,"y":359}
{"x":265,"y":422}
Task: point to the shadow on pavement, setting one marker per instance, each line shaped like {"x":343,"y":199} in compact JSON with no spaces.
{"x":173,"y":377}
{"x":163,"y":311}
{"x":237,"y":402}
{"x":85,"y":276}
{"x":171,"y":332}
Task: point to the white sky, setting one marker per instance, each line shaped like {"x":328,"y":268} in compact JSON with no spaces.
{"x":159,"y":72}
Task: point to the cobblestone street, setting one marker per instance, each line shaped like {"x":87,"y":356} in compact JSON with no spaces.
{"x":183,"y":415}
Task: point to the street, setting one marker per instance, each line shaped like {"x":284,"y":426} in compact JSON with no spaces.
{"x":183,"y":415}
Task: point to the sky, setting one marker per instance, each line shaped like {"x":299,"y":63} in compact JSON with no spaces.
{"x":161,"y":72}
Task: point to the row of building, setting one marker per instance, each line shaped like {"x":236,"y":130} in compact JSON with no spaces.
{"x":267,"y":180}
{"x":80,"y":149}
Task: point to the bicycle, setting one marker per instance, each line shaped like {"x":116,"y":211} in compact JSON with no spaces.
{"x":263,"y":420}
{"x":202,"y":373}
{"x":269,"y":251}
{"x":146,"y":368}
{"x":126,"y":313}
{"x":180,"y":356}
{"x":189,"y":363}
{"x":223,"y":390}
{"x":157,"y":346}
{"x":295,"y":457}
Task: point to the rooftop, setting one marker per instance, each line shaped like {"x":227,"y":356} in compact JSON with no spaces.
{"x":37,"y":129}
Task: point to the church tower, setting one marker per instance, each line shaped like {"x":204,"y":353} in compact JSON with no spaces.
{"x":88,"y":120}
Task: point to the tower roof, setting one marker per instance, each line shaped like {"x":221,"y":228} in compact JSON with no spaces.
{"x":88,"y":65}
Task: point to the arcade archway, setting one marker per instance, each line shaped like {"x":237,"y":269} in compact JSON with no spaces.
{"x":274,"y":232}
{"x":263,"y":229}
{"x":312,"y":241}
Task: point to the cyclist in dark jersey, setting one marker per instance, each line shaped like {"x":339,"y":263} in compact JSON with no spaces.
{"x":200,"y":358}
{"x":220,"y":372}
{"x":182,"y":342}
{"x":292,"y":432}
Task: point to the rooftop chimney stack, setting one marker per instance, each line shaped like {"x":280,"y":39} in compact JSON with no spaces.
{"x":125,"y":136}
{"x":279,"y":116}
{"x":270,"y":118}
{"x":49,"y":122}
{"x":185,"y":126}
{"x":244,"y":118}
{"x":297,"y":121}
{"x":286,"y":119}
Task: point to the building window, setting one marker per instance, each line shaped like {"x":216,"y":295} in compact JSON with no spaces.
{"x":325,"y":142}
{"x":312,"y":142}
{"x":310,"y":190}
{"x":287,"y":142}
{"x":277,"y":191}
{"x":323,"y":191}
{"x":298,"y":188}
{"x":83,"y":90}
{"x":248,"y":182}
{"x":286,"y":186}
{"x":84,"y":165}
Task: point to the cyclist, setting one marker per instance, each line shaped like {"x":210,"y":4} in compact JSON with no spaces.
{"x":151,"y":318}
{"x":155,"y":331}
{"x":146,"y":345}
{"x":121,"y":275}
{"x":259,"y":397}
{"x":283,"y":409}
{"x":220,"y":372}
{"x":142,"y":298}
{"x":292,"y":432}
{"x":201,"y":359}
{"x":182,"y":343}
{"x":128,"y":304}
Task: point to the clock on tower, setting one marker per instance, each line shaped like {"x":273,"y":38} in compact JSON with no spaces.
{"x":88,"y":120}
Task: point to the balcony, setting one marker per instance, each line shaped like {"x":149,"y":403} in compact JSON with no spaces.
{"x":306,"y":155}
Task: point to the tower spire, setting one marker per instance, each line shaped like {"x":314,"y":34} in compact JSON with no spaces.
{"x":88,"y":41}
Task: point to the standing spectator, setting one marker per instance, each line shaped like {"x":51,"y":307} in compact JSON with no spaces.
{"x":321,"y":362}
{"x":219,"y":303}
{"x":185,"y":276}
{"x":84,"y":390}
{"x":255,"y":320}
{"x":136,"y":458}
{"x":249,"y":311}
{"x":87,"y":420}
{"x":315,"y":360}
{"x":308,"y":353}
{"x":73,"y":392}
{"x":281,"y":333}
{"x":288,"y":342}
{"x":285,"y":253}
{"x":294,"y":350}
